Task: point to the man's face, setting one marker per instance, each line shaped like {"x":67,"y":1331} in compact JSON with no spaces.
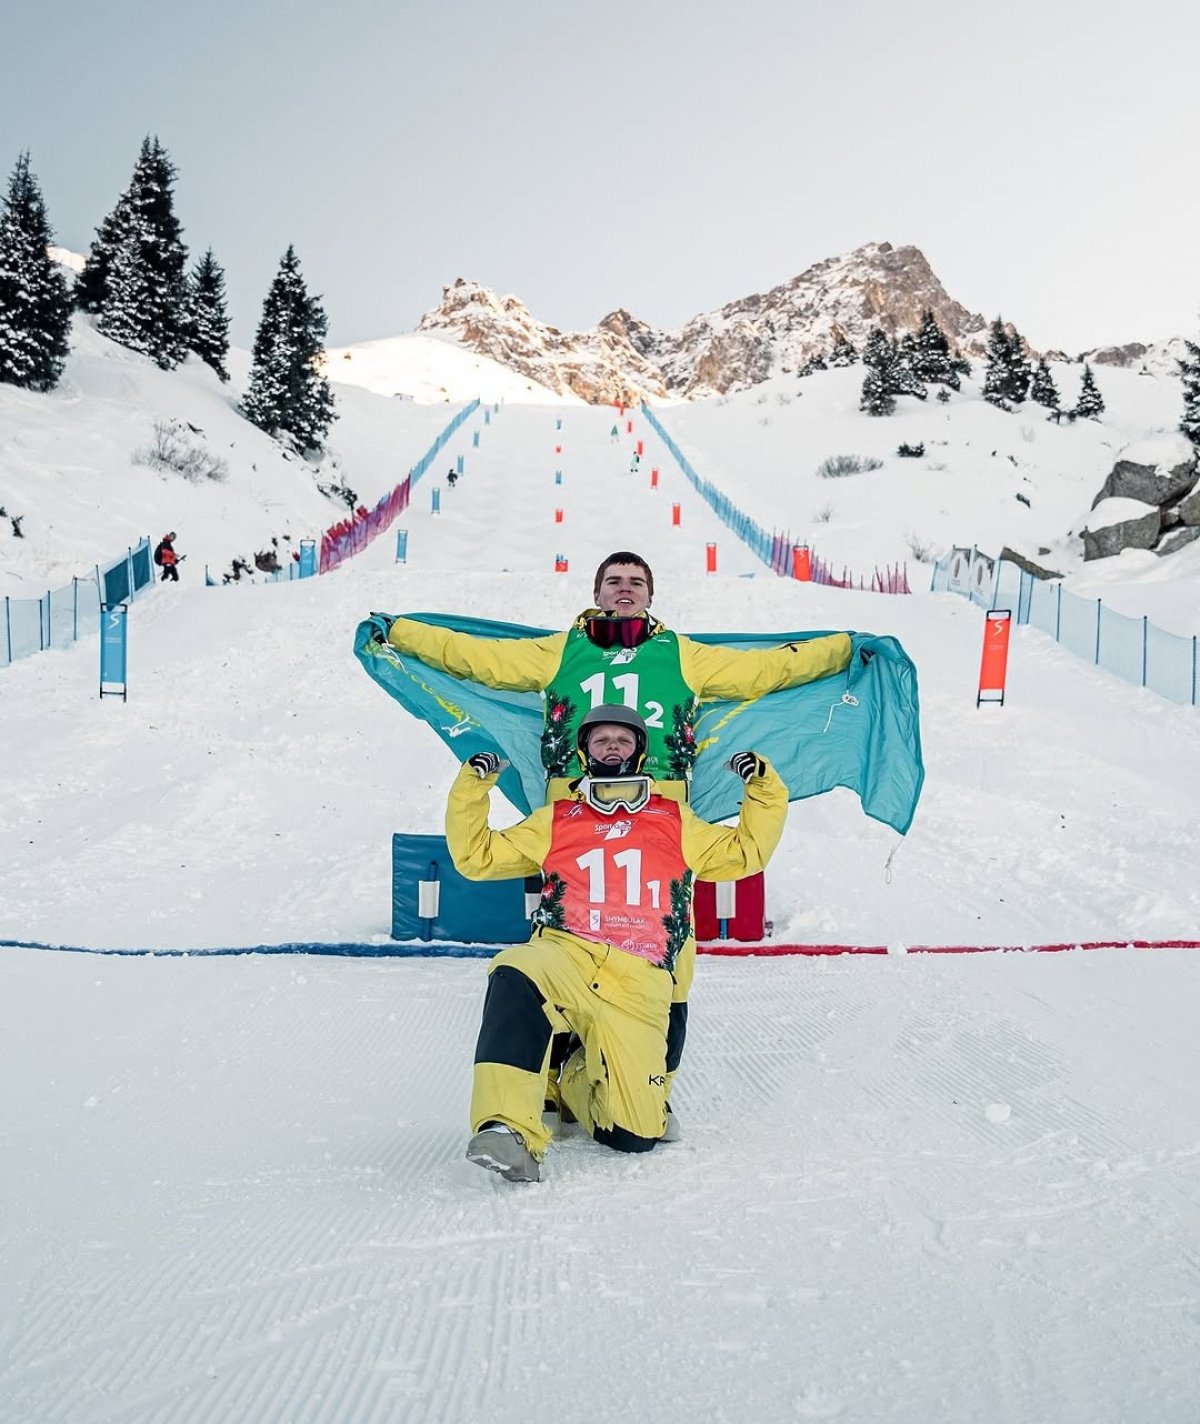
{"x":624,"y":590}
{"x":611,"y":744}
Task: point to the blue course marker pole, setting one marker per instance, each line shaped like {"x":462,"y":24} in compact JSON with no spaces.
{"x":558,"y":423}
{"x":402,"y":546}
{"x":436,"y":503}
{"x":558,"y":477}
{"x":475,"y":439}
{"x":459,"y":463}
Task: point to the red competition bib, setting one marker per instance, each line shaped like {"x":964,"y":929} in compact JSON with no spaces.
{"x":619,"y":880}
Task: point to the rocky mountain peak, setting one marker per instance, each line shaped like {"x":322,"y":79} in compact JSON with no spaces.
{"x":744,"y":342}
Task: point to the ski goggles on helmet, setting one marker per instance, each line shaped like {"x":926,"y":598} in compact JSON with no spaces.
{"x":608,"y":632}
{"x":610,"y":794}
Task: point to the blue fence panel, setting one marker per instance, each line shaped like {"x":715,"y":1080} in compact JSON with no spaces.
{"x":1043,"y":606}
{"x":143,"y":569}
{"x":1170,"y":664}
{"x":1122,"y":645}
{"x":87,"y":607}
{"x":60,"y":610}
{"x":116,"y":582}
{"x":25,"y":627}
{"x":1078,"y":624}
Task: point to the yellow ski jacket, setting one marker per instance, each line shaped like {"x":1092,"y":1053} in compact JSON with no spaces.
{"x":711,"y":852}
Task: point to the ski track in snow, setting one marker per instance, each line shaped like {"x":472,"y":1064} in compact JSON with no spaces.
{"x":235,"y":1189}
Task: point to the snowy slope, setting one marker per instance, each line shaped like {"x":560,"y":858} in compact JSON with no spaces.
{"x":433,"y":368}
{"x":912,"y":1188}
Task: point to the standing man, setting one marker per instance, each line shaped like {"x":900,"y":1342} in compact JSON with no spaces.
{"x":167,"y":559}
{"x":619,"y":861}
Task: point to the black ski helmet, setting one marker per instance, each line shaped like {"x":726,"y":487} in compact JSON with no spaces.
{"x":615,"y":715}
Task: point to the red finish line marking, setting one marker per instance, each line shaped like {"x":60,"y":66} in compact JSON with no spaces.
{"x":782,"y":950}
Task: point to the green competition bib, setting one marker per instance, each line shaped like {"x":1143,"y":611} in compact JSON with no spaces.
{"x":647,"y":679}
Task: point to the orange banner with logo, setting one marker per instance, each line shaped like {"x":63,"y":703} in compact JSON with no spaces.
{"x":993,"y":666}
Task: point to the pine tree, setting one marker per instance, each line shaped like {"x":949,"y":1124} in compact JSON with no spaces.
{"x":207,"y":316}
{"x":35,"y":304}
{"x":1189,"y":371}
{"x":142,"y":234}
{"x":816,"y":362}
{"x":1090,"y":402}
{"x":932,"y":361}
{"x":843,"y":353}
{"x":1019,"y":369}
{"x":91,"y":286}
{"x":901,"y":379}
{"x":877,"y":353}
{"x":876,"y":398}
{"x":1043,"y":390}
{"x":287,"y":394}
{"x":997,"y":378}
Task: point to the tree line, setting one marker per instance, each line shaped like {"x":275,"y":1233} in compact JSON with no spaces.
{"x":908,"y":365}
{"x":136,"y":287}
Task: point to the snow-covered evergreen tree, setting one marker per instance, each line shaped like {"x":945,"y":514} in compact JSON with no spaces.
{"x":1043,"y":390}
{"x":901,"y":379}
{"x":118,"y":317}
{"x":997,"y":380}
{"x":816,"y":362}
{"x":288,"y":395}
{"x":35,"y":303}
{"x":1189,"y":371}
{"x":145,"y":233}
{"x":843,"y":353}
{"x":876,"y":398}
{"x":1090,"y":402}
{"x":207,"y":315}
{"x":877,"y":352}
{"x":931,"y":360}
{"x":1020,"y":372}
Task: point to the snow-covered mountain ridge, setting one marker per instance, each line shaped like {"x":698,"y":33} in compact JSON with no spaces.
{"x":740,"y":345}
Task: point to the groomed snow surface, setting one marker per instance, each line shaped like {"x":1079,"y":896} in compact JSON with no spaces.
{"x":911,"y":1188}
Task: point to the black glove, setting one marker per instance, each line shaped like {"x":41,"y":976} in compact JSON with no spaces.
{"x":484,"y":764}
{"x":747,"y":765}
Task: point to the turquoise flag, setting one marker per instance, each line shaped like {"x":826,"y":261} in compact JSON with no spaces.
{"x":859,"y":728}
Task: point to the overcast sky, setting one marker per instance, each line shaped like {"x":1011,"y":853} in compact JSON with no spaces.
{"x":666,"y":157}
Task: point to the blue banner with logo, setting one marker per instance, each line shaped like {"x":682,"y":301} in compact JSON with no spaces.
{"x":113,"y":652}
{"x":308,"y":558}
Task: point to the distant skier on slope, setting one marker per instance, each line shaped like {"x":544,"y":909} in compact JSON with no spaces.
{"x":619,"y":861}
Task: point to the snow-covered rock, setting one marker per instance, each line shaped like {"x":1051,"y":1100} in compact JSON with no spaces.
{"x":1116,"y":524}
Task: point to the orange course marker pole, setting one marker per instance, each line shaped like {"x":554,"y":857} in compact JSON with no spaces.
{"x":558,"y":516}
{"x":654,"y":479}
{"x":710,"y":558}
{"x":675,"y":514}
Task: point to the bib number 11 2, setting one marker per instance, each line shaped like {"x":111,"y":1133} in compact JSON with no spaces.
{"x":626,"y":684}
